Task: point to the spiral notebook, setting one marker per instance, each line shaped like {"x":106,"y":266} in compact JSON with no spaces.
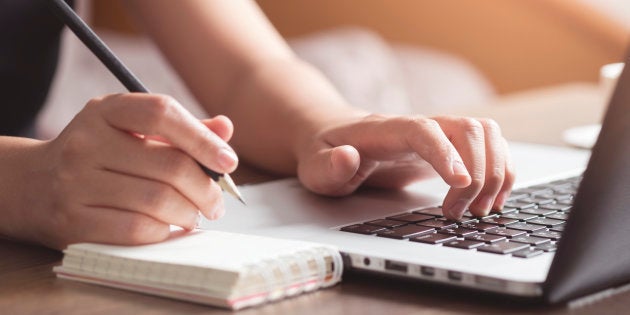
{"x":210,"y":267}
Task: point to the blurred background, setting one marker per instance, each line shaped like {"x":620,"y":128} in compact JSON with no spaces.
{"x":403,"y":56}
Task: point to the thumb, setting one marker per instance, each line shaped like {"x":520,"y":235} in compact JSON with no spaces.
{"x":334,"y":171}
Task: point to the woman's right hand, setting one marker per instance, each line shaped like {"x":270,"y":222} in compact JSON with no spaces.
{"x":124,"y":170}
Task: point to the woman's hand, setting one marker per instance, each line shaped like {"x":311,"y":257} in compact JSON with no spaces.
{"x":124,"y":170}
{"x":469,"y":154}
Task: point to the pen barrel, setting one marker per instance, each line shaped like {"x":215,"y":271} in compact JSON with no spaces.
{"x":214,"y":175}
{"x":64,"y":12}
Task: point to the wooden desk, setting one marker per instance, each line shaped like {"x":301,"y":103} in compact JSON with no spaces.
{"x":28,"y":286}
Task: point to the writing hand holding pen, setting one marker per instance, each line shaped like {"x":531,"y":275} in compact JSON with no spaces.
{"x":106,"y":179}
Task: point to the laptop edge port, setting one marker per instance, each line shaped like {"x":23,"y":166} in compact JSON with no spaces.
{"x":427,"y":271}
{"x":396,"y":266}
{"x":455,"y":275}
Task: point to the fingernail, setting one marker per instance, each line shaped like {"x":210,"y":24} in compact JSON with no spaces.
{"x":227,"y":158}
{"x":485,"y":204}
{"x":217,"y":211}
{"x":459,"y":168}
{"x":458,"y":208}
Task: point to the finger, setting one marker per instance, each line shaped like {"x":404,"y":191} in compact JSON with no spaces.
{"x":510,"y":177}
{"x":152,"y":198}
{"x":113,"y":226}
{"x":221,"y":126}
{"x":385,"y":139}
{"x":495,"y":168}
{"x":334,"y":171}
{"x":467,"y":135}
{"x":165,"y":164}
{"x":151,"y":114}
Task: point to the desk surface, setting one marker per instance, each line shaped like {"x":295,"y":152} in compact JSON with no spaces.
{"x":28,"y":286}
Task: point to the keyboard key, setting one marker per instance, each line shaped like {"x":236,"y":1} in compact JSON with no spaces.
{"x":463,"y":244}
{"x":547,"y":247}
{"x":500,"y":221}
{"x":566,"y":191}
{"x":502,"y":248}
{"x":516,"y":196}
{"x":562,"y":197}
{"x":457,"y":231}
{"x":534,"y":191}
{"x":531,"y":240}
{"x":527,"y":253}
{"x":411,"y":217}
{"x":538,"y":200}
{"x":486,"y":238}
{"x":405,"y":231}
{"x":558,"y":216}
{"x":509,"y":233}
{"x":546,"y":222}
{"x":362,"y":229}
{"x":553,"y":235}
{"x":386,"y":223}
{"x":479,"y":226}
{"x":468,"y":214}
{"x":529,"y":228}
{"x":520,"y":205}
{"x":465,"y":220}
{"x":505,"y":210}
{"x":434,"y":238}
{"x":438,"y":223}
{"x":559,"y":228}
{"x":557,"y":207}
{"x":519,"y":216}
{"x":434,"y":211}
{"x":538,"y":211}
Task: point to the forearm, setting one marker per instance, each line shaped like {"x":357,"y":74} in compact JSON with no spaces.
{"x":244,"y":69}
{"x":278,"y":109}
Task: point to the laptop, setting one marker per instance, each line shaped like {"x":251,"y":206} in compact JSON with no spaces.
{"x":563,"y":233}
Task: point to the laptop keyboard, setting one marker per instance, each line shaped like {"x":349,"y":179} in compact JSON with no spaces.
{"x":530,"y":223}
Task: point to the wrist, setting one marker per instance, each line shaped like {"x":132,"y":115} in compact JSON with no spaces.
{"x":19,"y":191}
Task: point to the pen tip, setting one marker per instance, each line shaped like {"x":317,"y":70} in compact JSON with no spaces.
{"x":228,"y":185}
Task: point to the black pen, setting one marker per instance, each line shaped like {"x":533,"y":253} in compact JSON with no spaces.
{"x":123,"y":74}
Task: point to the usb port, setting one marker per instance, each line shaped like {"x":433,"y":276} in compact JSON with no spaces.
{"x":395,"y":266}
{"x":427,"y":271}
{"x":455,"y":275}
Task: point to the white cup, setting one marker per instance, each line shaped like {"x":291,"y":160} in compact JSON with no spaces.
{"x":585,"y":136}
{"x":608,"y":77}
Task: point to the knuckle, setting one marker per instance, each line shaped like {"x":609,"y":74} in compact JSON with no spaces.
{"x":476,"y":185}
{"x":160,"y":107}
{"x":156,"y":198}
{"x":93,"y":103}
{"x":419,"y":125}
{"x":422,"y":122}
{"x":471,"y":126}
{"x":176,"y":163}
{"x":490,"y":124}
{"x":495,"y":175}
{"x":374,"y":117}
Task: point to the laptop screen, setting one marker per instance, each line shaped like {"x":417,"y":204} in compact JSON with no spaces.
{"x":594,"y":253}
